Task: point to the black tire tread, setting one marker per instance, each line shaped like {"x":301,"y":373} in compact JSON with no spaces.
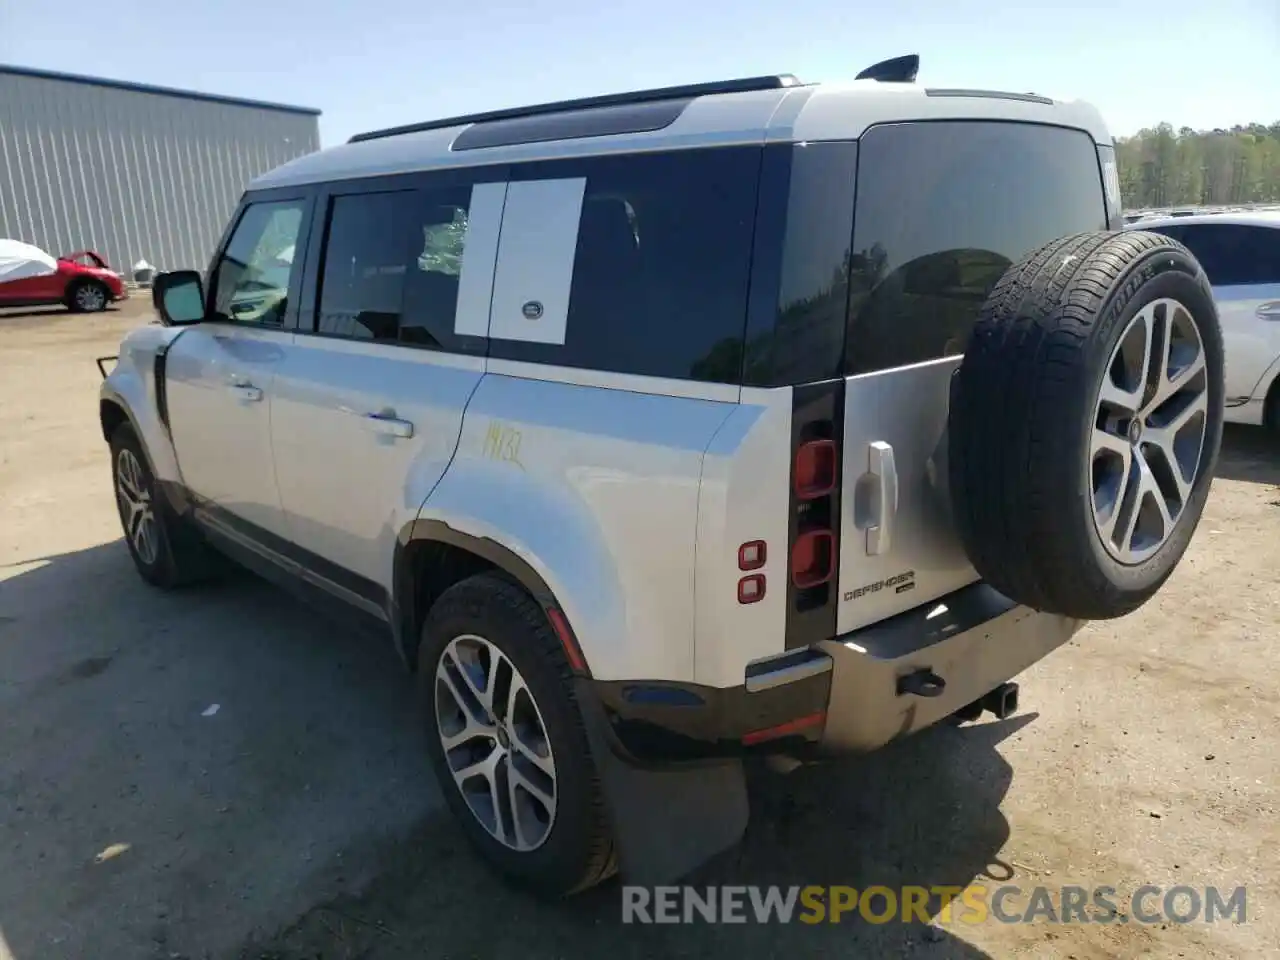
{"x":1027,"y":347}
{"x":496,"y":590}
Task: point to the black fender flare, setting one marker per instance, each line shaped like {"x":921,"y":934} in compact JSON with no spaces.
{"x":404,"y":615}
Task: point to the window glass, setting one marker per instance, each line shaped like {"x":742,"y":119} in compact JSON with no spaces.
{"x":1232,"y":254}
{"x":392,"y":266}
{"x":366,"y":256}
{"x":431,"y":299}
{"x":253,"y":274}
{"x":943,"y":209}
{"x":660,"y":267}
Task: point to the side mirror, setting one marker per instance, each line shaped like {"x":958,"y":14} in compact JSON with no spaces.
{"x":178,"y":297}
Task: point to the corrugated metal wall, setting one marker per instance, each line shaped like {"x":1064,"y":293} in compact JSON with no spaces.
{"x":132,"y":174}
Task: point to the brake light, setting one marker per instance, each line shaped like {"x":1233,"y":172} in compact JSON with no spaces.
{"x":814,"y":473}
{"x":813,"y":559}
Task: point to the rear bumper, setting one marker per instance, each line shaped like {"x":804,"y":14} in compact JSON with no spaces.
{"x":851,"y":694}
{"x":972,"y":642}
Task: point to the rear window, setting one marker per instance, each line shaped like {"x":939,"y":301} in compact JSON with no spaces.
{"x":943,"y":209}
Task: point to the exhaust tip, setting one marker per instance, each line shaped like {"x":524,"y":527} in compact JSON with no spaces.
{"x":1002,"y":702}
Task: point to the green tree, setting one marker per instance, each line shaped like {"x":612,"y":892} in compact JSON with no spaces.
{"x":1161,"y":167}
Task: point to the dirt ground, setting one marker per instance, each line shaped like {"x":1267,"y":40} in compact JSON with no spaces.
{"x":298,"y":819}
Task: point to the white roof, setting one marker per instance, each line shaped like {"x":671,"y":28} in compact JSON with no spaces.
{"x":1240,"y":218}
{"x":789,"y":114}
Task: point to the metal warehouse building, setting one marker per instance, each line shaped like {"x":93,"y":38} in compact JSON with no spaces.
{"x":133,"y":172}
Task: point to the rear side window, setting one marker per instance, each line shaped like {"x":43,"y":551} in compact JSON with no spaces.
{"x":943,"y":209}
{"x":392,"y":265}
{"x":1232,"y":254}
{"x":365,"y":261}
{"x":660,"y":262}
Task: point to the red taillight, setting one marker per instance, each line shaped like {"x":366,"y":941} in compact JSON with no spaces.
{"x":752,"y":555}
{"x":814,"y":474}
{"x":813,"y":558}
{"x":751,"y":588}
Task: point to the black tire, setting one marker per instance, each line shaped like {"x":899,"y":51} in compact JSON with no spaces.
{"x":181,"y":556}
{"x":1023,"y":407}
{"x":1271,"y":409}
{"x":74,"y":303}
{"x":578,"y":853}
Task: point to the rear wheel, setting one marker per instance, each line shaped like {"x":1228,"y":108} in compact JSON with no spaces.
{"x":88,"y":296}
{"x":506,"y":738}
{"x":1086,"y":421}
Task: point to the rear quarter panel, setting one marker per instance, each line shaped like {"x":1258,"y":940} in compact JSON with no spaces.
{"x":597,"y":489}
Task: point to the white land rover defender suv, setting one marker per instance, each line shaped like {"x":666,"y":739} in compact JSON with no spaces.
{"x":663,"y":428}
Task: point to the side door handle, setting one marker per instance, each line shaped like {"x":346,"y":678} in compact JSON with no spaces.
{"x":884,"y":473}
{"x":387,"y":424}
{"x":1269,"y":311}
{"x":245,"y":392}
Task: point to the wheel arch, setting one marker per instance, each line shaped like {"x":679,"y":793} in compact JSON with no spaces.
{"x":431,"y":556}
{"x":1270,"y":390}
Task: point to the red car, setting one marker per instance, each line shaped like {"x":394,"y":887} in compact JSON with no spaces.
{"x":81,"y":281}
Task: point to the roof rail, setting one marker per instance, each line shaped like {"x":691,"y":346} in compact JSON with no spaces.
{"x":688,"y":91}
{"x":897,"y":70}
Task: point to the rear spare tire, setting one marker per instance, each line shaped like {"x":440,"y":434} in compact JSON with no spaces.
{"x":1085,"y":423}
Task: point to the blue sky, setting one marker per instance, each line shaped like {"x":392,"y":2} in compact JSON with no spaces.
{"x":375,"y":63}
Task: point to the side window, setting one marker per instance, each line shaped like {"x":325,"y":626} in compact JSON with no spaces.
{"x":1232,"y":254}
{"x":657,"y":265}
{"x":367,"y":252}
{"x":392,"y":265}
{"x":252,"y":275}
{"x":943,"y":209}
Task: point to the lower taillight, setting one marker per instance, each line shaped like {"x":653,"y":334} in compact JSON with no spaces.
{"x":813,"y":558}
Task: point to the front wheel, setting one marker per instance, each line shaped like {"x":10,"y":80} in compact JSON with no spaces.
{"x":88,"y":297}
{"x":507,"y":741}
{"x":166,"y":552}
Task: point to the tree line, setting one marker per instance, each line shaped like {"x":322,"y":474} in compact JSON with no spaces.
{"x":1163,"y":167}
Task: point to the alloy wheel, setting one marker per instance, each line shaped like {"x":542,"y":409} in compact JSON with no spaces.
{"x":495,"y":742}
{"x":1149,"y":429}
{"x":133,"y":495}
{"x":90,"y":297}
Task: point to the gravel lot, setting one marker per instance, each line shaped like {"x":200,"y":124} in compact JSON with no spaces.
{"x":299,"y":820}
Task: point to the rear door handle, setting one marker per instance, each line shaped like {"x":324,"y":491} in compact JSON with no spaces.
{"x":245,"y":392}
{"x":1269,"y":311}
{"x":884,"y":471}
{"x":388,"y":425}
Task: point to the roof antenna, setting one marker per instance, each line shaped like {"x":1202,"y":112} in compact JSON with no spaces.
{"x":897,"y":70}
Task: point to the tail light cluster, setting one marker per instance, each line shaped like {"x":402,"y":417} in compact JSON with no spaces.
{"x":814,"y":474}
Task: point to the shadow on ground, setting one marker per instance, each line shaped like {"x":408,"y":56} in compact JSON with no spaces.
{"x":299,"y":821}
{"x":1250,"y":454}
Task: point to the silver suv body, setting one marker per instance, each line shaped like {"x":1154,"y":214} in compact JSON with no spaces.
{"x":674,"y":366}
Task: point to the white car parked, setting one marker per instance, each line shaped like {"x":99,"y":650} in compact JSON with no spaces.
{"x":1241,"y":254}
